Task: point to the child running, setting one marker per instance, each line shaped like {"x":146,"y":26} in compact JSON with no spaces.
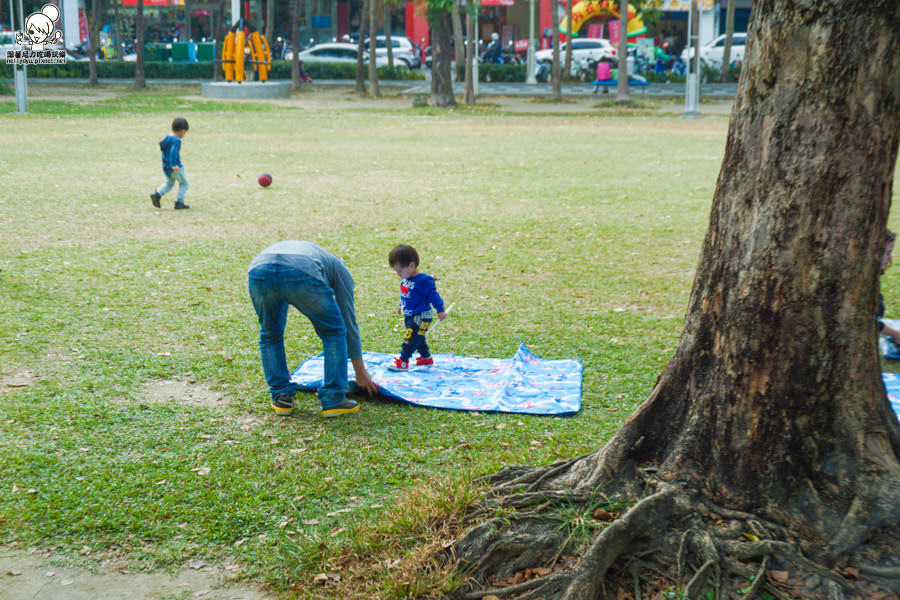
{"x":170,"y":147}
{"x":418,"y":295}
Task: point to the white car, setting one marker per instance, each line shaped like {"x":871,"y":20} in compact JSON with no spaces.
{"x":583,"y":50}
{"x":405,"y":52}
{"x":333,"y":52}
{"x":711,"y":52}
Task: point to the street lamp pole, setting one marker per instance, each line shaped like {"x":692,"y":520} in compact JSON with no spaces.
{"x":20,"y":72}
{"x":531,"y":78}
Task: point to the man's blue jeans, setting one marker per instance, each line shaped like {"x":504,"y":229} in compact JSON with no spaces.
{"x":273,"y":288}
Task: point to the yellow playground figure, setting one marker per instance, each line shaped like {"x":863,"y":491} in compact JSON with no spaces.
{"x":245,"y":39}
{"x":583,"y":10}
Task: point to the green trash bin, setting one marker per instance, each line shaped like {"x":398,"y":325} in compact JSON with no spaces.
{"x":206,"y":51}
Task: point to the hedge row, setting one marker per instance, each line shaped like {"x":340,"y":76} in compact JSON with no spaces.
{"x":496,"y":73}
{"x":281,"y":69}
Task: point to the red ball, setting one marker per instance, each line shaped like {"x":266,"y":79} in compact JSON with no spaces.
{"x":265,"y":180}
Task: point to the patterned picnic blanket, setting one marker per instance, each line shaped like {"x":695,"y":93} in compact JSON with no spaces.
{"x":892,"y":385}
{"x":524,"y":383}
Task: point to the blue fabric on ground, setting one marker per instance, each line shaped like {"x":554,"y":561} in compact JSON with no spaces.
{"x":521,"y":384}
{"x":892,"y":386}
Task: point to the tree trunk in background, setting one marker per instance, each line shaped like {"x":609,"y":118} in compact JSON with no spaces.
{"x":360,"y":46}
{"x":555,"y":73}
{"x":120,"y":51}
{"x":270,"y":22}
{"x":622,"y":96}
{"x":295,"y":44}
{"x":729,"y":36}
{"x":771,"y":419}
{"x":388,"y":44}
{"x":471,"y":51}
{"x":187,"y":21}
{"x":373,"y":69}
{"x":219,"y":31}
{"x":140,"y":81}
{"x":93,"y":27}
{"x":567,"y":69}
{"x":459,"y":51}
{"x":441,"y":77}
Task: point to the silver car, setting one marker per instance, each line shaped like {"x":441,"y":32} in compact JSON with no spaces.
{"x":334,"y":52}
{"x":405,"y":52}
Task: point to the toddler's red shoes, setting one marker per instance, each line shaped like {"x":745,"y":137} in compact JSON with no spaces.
{"x":424,"y":362}
{"x":398,"y":365}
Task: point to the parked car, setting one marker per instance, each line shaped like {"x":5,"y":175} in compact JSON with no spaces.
{"x":711,"y":52}
{"x":405,"y":52}
{"x":334,"y":52}
{"x":583,"y":50}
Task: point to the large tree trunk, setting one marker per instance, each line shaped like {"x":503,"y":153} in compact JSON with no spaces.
{"x":441,"y":76}
{"x":555,"y":79}
{"x":140,"y":80}
{"x":729,"y":36}
{"x":373,"y":68}
{"x":768,"y":441}
{"x":471,"y":52}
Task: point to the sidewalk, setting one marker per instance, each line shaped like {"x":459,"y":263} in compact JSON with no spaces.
{"x":722,"y":91}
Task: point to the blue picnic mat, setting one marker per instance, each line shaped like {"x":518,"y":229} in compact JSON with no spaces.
{"x":521,"y":384}
{"x":892,"y":386}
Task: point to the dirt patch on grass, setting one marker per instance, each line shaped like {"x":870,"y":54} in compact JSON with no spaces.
{"x":33,"y":576}
{"x":189,"y":392}
{"x":16,"y":379}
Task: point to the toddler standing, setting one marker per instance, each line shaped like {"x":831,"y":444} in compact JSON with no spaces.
{"x":418,"y":294}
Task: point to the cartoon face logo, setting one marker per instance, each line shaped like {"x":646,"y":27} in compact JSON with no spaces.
{"x":39,"y":29}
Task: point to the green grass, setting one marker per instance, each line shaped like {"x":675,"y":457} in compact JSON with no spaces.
{"x":577,"y":235}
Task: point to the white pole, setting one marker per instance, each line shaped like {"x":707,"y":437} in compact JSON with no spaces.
{"x":691,"y":82}
{"x":20,"y":72}
{"x":531,"y":78}
{"x":477,"y":51}
{"x":235,"y":11}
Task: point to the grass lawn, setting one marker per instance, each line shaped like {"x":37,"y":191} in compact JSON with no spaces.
{"x":576,"y":234}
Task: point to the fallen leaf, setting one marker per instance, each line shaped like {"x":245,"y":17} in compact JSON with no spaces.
{"x":750,"y":537}
{"x":779,"y":576}
{"x":13,"y":573}
{"x":601,"y":514}
{"x":201,"y":471}
{"x":197,"y":565}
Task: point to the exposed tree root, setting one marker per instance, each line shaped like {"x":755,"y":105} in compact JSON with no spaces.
{"x":670,"y":535}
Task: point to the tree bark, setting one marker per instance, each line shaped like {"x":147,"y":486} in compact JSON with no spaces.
{"x":471,"y":51}
{"x":441,"y":76}
{"x":140,"y":80}
{"x":295,"y":44}
{"x":555,"y":79}
{"x":768,"y":435}
{"x":457,"y":39}
{"x":622,"y":96}
{"x":388,"y":44}
{"x":729,"y":36}
{"x":93,"y":27}
{"x":373,"y":29}
{"x":360,"y":46}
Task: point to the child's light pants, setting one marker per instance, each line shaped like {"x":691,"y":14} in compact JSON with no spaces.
{"x":181,"y":177}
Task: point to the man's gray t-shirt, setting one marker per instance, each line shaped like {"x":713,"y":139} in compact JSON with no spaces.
{"x":317,"y":262}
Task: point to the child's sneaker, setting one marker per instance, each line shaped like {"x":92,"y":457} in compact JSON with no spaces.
{"x":424,"y":362}
{"x":179,"y":205}
{"x":344,"y":408}
{"x":398,"y":365}
{"x":154,"y":198}
{"x":283,"y":405}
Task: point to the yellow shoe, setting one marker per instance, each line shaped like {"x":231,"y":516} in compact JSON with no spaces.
{"x":344,"y":408}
